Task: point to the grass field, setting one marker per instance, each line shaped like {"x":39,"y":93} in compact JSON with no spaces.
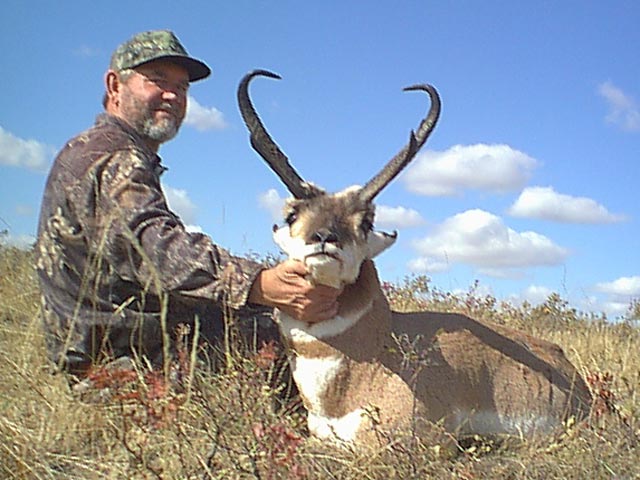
{"x":224,"y":425}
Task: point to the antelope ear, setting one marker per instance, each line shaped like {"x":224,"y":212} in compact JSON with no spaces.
{"x":378,"y":242}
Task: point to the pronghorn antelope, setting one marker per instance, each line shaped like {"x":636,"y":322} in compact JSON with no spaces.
{"x":370,"y":372}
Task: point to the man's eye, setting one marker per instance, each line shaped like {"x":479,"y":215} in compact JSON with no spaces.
{"x":158,"y":82}
{"x":163,"y":84}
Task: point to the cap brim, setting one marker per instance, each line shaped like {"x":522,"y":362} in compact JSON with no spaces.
{"x":196,"y":69}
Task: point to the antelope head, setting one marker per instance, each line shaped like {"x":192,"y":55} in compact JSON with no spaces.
{"x":332,"y":233}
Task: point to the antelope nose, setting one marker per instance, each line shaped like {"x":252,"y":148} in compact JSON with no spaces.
{"x":324,"y":235}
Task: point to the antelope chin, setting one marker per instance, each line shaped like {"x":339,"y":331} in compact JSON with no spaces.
{"x":325,"y":269}
{"x":335,"y":267}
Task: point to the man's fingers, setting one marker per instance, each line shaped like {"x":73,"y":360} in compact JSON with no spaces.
{"x":295,"y":267}
{"x":285,"y":286}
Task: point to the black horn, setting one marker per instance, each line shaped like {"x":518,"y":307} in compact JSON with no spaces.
{"x":416,"y":141}
{"x":262,"y":142}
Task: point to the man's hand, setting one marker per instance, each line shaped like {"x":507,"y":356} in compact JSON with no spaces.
{"x":285,"y":287}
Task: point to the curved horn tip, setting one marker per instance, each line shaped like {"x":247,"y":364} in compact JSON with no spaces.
{"x":263,"y":73}
{"x":426,"y":87}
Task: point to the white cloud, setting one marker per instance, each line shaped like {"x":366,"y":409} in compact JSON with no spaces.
{"x":203,"y":118}
{"x":397,"y":217}
{"x":534,"y":294}
{"x":623,"y":286}
{"x":29,"y":154}
{"x":481,"y":239}
{"x":180,"y":203}
{"x":424,"y":265}
{"x":496,"y":168}
{"x":547,"y":204}
{"x":272,"y":202}
{"x":615,"y":309}
{"x":623,"y":109}
{"x":620,"y":294}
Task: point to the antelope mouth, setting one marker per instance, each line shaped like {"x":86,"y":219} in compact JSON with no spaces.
{"x":321,"y":251}
{"x":324,"y":256}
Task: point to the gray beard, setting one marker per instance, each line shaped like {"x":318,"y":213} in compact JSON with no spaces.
{"x":160,"y":132}
{"x":141,"y":118}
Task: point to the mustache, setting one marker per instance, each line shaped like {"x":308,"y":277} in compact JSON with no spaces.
{"x":168,"y":107}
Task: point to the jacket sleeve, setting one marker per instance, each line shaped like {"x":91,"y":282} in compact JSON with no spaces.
{"x":147,"y":244}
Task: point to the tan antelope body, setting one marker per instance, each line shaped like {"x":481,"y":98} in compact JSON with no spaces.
{"x":369,"y":372}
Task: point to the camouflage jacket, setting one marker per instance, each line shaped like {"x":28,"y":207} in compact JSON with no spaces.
{"x":115,"y":263}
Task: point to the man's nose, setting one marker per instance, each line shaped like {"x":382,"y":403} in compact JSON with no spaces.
{"x":173,"y":95}
{"x":168,"y":94}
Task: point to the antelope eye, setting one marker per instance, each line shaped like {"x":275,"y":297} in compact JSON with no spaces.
{"x":367,"y":224}
{"x":291,"y":218}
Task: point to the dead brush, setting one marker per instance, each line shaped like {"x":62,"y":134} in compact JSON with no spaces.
{"x":150,"y":397}
{"x":279,"y":444}
{"x":227,"y":426}
{"x":606,"y":406}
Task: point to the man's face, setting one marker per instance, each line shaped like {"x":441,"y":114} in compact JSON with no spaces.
{"x":153,"y":100}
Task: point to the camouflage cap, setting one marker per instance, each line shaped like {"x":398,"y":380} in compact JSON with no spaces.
{"x":146,"y":47}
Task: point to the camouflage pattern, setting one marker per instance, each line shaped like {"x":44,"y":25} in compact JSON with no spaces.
{"x":146,"y":47}
{"x":115,"y":263}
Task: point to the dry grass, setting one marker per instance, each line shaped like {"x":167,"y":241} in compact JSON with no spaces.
{"x":224,"y":425}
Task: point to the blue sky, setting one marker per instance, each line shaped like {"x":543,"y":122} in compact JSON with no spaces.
{"x":528,"y":184}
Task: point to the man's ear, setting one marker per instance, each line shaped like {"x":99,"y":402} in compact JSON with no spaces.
{"x":112,"y":85}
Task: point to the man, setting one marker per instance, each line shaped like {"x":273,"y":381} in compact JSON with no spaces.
{"x":117,"y":269}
